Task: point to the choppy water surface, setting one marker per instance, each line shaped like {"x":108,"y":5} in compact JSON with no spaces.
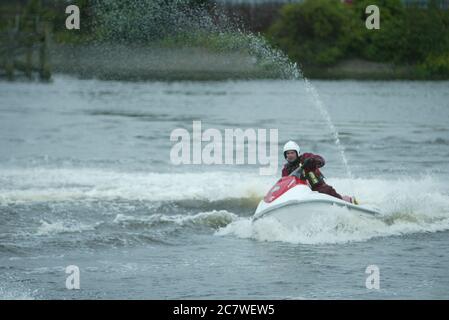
{"x":86,"y":180}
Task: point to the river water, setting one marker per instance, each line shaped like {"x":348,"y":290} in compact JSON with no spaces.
{"x":86,"y":180}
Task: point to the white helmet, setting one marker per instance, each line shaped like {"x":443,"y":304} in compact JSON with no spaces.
{"x":291,"y":145}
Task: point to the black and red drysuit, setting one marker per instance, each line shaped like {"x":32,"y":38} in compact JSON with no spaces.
{"x":311,"y":163}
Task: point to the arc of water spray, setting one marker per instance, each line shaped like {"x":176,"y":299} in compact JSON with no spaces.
{"x":325,"y":114}
{"x":292,"y":71}
{"x":111,"y":20}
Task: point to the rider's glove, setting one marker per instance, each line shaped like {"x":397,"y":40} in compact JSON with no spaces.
{"x":309,"y":164}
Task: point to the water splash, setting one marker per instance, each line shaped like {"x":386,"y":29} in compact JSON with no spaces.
{"x":292,"y":71}
{"x":154,"y":21}
{"x":326,"y":116}
{"x":213,"y":219}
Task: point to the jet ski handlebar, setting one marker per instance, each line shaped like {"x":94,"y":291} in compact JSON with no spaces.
{"x":298,"y":172}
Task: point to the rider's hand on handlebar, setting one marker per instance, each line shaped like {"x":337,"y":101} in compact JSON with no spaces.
{"x":309,"y":164}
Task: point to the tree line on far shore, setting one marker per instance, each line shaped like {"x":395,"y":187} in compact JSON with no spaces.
{"x":323,"y":32}
{"x":314,"y":33}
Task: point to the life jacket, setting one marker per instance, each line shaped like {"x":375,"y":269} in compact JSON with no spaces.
{"x":313,"y":177}
{"x":289,"y":167}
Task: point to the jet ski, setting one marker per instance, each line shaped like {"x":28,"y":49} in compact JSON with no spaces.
{"x":291,"y":199}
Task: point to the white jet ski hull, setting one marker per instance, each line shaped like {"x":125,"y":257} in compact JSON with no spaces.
{"x":297,"y":203}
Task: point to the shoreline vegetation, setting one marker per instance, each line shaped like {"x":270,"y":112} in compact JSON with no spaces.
{"x":194,"y":63}
{"x":327,"y":39}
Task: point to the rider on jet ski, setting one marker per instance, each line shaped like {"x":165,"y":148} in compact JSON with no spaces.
{"x":310,"y":163}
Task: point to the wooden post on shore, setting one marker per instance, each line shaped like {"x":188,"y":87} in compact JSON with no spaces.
{"x":44,"y":65}
{"x":9,"y":68}
{"x":30,"y":40}
{"x":23,"y":43}
{"x":10,"y":56}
